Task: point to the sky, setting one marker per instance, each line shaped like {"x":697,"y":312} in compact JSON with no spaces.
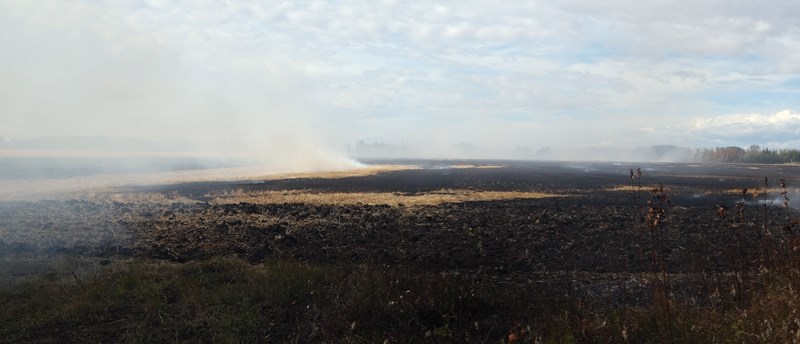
{"x":289,"y":78}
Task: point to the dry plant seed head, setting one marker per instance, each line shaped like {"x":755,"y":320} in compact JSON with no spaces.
{"x":632,"y":174}
{"x":721,"y":212}
{"x":638,"y":172}
{"x":785,"y":195}
{"x":740,"y":211}
{"x":744,"y":192}
{"x":652,"y":218}
{"x":659,"y":213}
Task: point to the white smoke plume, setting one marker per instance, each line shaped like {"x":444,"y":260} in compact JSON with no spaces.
{"x":77,"y":70}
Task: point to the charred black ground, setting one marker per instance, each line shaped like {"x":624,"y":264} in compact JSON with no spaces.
{"x":593,"y":227}
{"x":587,"y":239}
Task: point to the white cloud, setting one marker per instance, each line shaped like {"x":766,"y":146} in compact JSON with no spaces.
{"x":750,"y":124}
{"x":778,"y":130}
{"x":520,"y":72}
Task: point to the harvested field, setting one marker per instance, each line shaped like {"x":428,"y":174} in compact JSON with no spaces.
{"x":570,"y":232}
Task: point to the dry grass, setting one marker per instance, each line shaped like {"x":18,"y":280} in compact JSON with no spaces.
{"x":88,"y":186}
{"x":629,"y":188}
{"x":358,"y":172}
{"x":372,"y":198}
{"x":228,"y":300}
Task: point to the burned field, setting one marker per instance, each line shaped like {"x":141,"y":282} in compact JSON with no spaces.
{"x":518,"y":244}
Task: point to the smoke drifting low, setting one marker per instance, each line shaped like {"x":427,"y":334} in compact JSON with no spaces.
{"x":74,"y":72}
{"x":660,"y":153}
{"x":292,"y":86}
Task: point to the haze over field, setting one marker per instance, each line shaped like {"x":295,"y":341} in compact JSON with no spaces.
{"x":296,"y":83}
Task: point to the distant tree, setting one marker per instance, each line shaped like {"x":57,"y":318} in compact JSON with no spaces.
{"x":753,"y":154}
{"x":732,"y":154}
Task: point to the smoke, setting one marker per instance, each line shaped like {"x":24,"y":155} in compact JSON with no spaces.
{"x":74,"y":71}
{"x":776,"y":201}
{"x":660,"y":153}
{"x":283,"y":84}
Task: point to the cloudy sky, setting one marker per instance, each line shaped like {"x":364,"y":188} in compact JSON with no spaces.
{"x":513,"y":73}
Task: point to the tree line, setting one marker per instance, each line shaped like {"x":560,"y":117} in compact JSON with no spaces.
{"x":753,"y":154}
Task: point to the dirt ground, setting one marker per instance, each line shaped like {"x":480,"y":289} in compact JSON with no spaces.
{"x":589,"y":219}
